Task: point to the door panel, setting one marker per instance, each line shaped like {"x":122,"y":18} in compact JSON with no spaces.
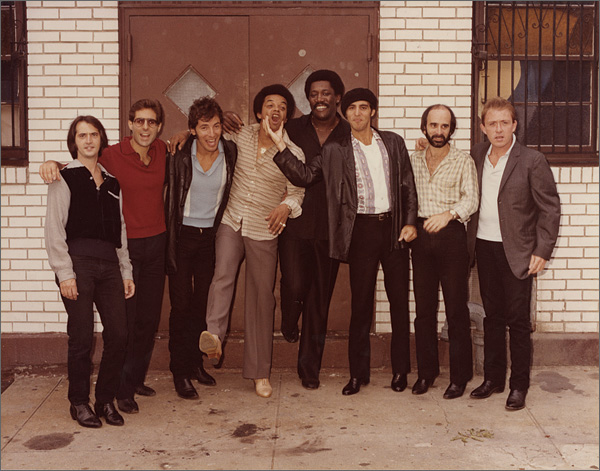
{"x":160,"y":56}
{"x":237,"y":50}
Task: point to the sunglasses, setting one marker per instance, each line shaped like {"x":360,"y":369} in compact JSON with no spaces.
{"x":139,"y":122}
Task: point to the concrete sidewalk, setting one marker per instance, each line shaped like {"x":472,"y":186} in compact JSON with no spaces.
{"x":232,"y":428}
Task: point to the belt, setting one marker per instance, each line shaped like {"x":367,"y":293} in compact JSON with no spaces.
{"x":379,"y":217}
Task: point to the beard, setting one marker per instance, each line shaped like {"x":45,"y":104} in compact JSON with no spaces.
{"x":437,"y":140}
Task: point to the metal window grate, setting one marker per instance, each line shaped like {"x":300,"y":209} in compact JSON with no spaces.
{"x":543,"y":57}
{"x":14,"y":81}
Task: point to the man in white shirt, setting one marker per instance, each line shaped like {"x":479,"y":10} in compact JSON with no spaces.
{"x":512,"y":235}
{"x":372,"y":211}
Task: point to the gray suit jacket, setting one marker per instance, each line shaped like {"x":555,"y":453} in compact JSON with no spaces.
{"x":528,"y":206}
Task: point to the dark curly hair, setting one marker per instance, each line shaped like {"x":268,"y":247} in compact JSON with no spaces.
{"x":326,"y":76}
{"x":276,"y":89}
{"x":204,"y":109}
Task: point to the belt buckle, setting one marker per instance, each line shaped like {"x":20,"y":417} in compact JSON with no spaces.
{"x":381,"y":216}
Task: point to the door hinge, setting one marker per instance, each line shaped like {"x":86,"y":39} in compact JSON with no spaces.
{"x":370,"y":45}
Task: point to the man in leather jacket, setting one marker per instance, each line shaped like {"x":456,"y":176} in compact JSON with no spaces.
{"x":200,"y":177}
{"x":372,"y":212}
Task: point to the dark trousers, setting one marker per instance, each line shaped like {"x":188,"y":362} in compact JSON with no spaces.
{"x":188,"y":291}
{"x":99,"y":282}
{"x":308,"y":277}
{"x":506,"y":301}
{"x":442,"y":258}
{"x":371,"y":239}
{"x":143,"y":309}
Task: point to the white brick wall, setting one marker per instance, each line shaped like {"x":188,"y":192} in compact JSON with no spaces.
{"x":424,"y":59}
{"x":73,"y":69}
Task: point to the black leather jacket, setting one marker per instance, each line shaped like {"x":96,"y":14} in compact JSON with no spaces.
{"x":336,"y":167}
{"x":179,"y":176}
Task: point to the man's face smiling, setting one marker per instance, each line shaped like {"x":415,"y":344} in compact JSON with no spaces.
{"x":359,"y":115}
{"x":208,"y":134}
{"x":143,"y":133}
{"x":322,"y":100}
{"x":274,"y":108}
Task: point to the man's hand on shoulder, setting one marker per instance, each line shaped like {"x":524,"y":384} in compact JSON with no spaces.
{"x":232,"y":123}
{"x":50,"y":171}
{"x":421,"y":144}
{"x":177,"y":141}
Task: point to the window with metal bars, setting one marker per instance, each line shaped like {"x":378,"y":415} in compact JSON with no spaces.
{"x":543,"y":57}
{"x":14,"y":80}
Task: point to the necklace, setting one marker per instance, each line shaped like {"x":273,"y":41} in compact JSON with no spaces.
{"x":327,"y":129}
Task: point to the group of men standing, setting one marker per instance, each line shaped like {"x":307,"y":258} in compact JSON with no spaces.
{"x":366,"y":202}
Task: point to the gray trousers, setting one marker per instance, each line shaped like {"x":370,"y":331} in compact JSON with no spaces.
{"x":259,"y":302}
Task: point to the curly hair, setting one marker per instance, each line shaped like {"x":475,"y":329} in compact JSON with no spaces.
{"x":204,"y":109}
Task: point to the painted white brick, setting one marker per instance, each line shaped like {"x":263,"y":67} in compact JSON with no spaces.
{"x":581,"y":327}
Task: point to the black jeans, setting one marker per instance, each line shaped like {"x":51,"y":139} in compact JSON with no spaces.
{"x":143,"y":309}
{"x":506,"y":301}
{"x":188,"y":290}
{"x":308,"y":277}
{"x":371,"y":239}
{"x":442,"y":258}
{"x":98,"y":281}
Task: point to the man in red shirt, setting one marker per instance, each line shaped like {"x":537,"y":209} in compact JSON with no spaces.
{"x":139,"y":162}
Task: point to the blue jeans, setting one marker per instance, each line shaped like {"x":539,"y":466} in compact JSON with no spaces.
{"x":98,"y":281}
{"x":143,"y":309}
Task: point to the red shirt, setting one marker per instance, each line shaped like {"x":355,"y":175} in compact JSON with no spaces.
{"x":142,"y":186}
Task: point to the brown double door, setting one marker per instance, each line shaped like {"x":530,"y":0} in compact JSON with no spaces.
{"x":177,"y":52}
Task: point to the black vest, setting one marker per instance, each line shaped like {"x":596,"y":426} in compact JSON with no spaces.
{"x":93,"y":213}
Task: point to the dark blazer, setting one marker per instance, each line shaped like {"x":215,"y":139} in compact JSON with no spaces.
{"x":528,"y":207}
{"x":179,"y":176}
{"x":335,"y":165}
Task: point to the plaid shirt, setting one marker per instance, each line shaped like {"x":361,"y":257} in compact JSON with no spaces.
{"x":453,"y":185}
{"x":258,"y":186}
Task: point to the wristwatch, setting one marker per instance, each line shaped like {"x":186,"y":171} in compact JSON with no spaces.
{"x":454,"y":214}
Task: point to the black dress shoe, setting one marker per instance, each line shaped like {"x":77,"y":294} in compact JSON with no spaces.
{"x":454,"y":390}
{"x":129,"y":406}
{"x":202,"y":376}
{"x":144,"y":390}
{"x":516,"y":399}
{"x":291,"y":336}
{"x":108,"y":411}
{"x":353,"y":386}
{"x":421,"y":386}
{"x":185,"y":389}
{"x":84,"y":416}
{"x":310,"y":383}
{"x":399,"y":382}
{"x":486,"y":389}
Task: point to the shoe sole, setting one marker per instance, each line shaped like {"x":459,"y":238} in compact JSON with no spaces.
{"x":493,"y":391}
{"x":210,"y":346}
{"x":514,"y":408}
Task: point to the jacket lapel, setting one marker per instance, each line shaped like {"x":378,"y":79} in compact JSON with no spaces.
{"x":513,"y":159}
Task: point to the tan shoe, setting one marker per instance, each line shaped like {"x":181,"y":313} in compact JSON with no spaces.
{"x":263,"y":387}
{"x":211,"y":345}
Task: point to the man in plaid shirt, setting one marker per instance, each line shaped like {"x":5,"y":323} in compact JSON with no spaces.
{"x":446,"y":182}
